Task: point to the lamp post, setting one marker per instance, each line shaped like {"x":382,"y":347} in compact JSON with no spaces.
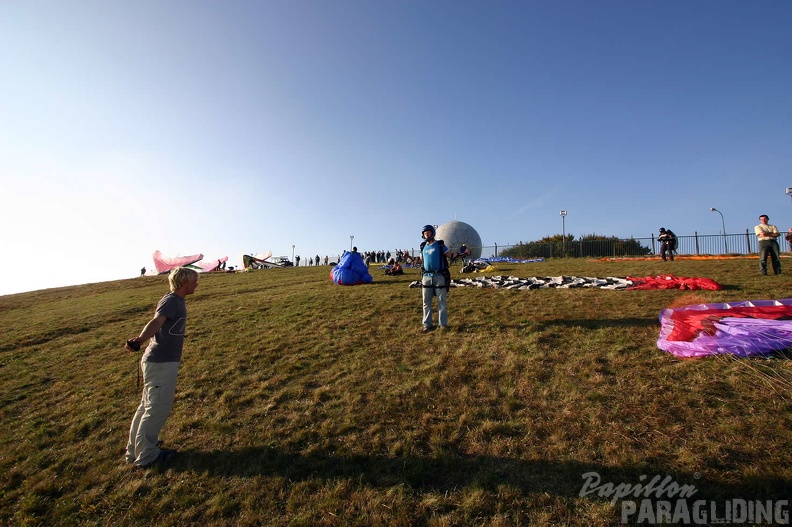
{"x":292,"y":253}
{"x":723,"y":224}
{"x":350,"y":242}
{"x":563,"y":231}
{"x":789,"y":192}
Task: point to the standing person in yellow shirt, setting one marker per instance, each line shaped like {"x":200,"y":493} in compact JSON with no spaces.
{"x":768,"y":244}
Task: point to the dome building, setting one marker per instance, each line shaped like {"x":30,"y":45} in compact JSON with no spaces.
{"x":455,"y":233}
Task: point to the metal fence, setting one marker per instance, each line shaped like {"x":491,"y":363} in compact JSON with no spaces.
{"x":697,"y":244}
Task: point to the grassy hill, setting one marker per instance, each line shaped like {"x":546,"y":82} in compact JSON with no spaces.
{"x":300,"y":402}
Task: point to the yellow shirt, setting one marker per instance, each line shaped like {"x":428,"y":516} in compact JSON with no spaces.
{"x":762,"y":231}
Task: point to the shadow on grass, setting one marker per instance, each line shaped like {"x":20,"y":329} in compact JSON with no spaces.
{"x":600,"y":323}
{"x":730,"y":287}
{"x":563,"y":324}
{"x":403,"y":281}
{"x":453,"y":471}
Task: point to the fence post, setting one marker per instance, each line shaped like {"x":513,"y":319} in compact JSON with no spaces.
{"x":748,"y":241}
{"x":695,"y":234}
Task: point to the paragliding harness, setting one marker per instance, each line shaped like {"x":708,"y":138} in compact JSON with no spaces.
{"x":444,"y":271}
{"x":671,"y":240}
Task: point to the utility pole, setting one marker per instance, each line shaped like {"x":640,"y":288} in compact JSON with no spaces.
{"x":563,"y":231}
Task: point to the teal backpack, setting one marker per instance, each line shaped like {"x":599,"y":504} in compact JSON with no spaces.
{"x":445,"y":270}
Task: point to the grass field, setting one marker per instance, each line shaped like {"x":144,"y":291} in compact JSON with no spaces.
{"x":300,"y":402}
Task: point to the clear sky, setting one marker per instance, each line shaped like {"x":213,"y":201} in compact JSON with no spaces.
{"x":237,"y":127}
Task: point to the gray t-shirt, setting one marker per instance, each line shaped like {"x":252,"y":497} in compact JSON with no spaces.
{"x":167,"y":344}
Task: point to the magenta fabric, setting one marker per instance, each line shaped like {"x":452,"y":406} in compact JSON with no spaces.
{"x":745,"y":329}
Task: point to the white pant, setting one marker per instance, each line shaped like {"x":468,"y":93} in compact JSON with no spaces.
{"x":431,"y":288}
{"x":159,"y":390}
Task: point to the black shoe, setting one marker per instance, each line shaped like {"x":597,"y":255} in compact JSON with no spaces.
{"x":164,"y":457}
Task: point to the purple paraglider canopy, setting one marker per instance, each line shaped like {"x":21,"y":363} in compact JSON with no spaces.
{"x":746,"y":329}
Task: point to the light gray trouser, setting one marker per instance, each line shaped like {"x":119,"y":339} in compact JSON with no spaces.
{"x":431,"y":287}
{"x":159,"y":390}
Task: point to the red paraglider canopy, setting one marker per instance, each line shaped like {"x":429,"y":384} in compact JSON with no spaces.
{"x":748,"y":328}
{"x":667,"y":281}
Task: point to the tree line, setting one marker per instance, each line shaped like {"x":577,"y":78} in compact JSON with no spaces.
{"x":590,"y":245}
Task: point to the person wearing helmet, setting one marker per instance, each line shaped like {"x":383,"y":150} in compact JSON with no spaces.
{"x":667,"y":240}
{"x":435,"y":278}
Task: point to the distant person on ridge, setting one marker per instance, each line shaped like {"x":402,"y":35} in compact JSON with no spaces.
{"x":768,"y":244}
{"x":668,"y":241}
{"x":160,"y":365}
{"x":435,"y":278}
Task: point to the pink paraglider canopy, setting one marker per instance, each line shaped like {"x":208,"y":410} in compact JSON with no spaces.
{"x":745,"y":329}
{"x":211,"y":265}
{"x":165,"y":264}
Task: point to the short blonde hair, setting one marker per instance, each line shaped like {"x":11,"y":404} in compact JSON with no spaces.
{"x":180,"y":276}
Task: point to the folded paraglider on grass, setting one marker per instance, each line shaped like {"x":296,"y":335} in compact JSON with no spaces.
{"x":746,"y":329}
{"x":567,"y":282}
{"x":351,"y":270}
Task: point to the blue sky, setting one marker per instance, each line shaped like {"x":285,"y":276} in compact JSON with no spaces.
{"x":237,"y":127}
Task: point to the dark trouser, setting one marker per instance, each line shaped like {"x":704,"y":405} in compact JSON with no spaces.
{"x":769,"y":247}
{"x":665,"y":247}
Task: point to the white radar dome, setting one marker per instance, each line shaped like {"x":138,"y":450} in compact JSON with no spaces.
{"x":455,"y":233}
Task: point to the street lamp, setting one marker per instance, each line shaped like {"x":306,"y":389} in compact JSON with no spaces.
{"x":292,"y":253}
{"x":789,"y":192}
{"x":563,"y":231}
{"x":723,"y":224}
{"x":350,"y":242}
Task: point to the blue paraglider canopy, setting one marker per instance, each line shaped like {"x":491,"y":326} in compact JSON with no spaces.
{"x":351,"y":270}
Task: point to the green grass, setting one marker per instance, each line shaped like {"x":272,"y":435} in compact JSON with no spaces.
{"x":300,"y":402}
